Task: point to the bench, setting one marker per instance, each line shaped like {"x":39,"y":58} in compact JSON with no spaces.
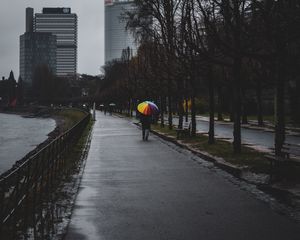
{"x":290,"y":156}
{"x":185,"y":130}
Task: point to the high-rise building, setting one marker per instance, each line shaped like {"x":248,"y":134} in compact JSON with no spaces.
{"x":116,"y":36}
{"x":63,"y":24}
{"x":36,"y":49}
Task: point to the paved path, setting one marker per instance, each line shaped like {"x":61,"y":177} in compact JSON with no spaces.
{"x":133,"y":189}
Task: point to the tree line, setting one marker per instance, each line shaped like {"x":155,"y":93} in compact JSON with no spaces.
{"x":47,"y":88}
{"x":237,"y":54}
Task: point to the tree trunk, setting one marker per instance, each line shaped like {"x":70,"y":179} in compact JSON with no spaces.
{"x":244,"y":108}
{"x":231,"y":100}
{"x":129,"y":107}
{"x":170,"y":117}
{"x":162,"y":108}
{"x":297,"y":100}
{"x":260,"y":120}
{"x":237,"y":141}
{"x":180,"y":111}
{"x":211,"y":132}
{"x":180,"y":101}
{"x":186,"y":109}
{"x":279,"y":106}
{"x":219,"y":104}
{"x":193,"y":115}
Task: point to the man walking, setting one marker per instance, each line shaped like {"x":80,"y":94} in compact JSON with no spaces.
{"x":146,"y":125}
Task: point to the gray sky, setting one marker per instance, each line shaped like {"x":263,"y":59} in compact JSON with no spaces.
{"x":90,"y":15}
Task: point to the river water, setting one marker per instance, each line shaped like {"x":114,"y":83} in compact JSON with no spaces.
{"x":19,"y":135}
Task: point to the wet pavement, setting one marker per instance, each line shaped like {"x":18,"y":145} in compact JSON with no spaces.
{"x":133,"y":189}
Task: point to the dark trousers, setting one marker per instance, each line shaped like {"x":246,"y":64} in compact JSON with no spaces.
{"x":145,"y":132}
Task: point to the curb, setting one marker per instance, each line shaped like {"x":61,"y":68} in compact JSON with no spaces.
{"x":219,"y":162}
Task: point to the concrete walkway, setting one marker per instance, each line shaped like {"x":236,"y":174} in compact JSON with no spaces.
{"x":133,"y":189}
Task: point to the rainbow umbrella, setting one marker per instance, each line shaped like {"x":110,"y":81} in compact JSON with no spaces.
{"x":147,"y":108}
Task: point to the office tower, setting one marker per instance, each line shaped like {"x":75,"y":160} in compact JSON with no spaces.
{"x":29,"y":20}
{"x":63,"y":24}
{"x":36,"y":49}
{"x":116,"y":36}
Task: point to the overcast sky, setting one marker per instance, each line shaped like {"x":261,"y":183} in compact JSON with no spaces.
{"x":90,"y":15}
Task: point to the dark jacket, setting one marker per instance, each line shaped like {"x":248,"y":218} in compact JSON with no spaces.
{"x":146,"y":121}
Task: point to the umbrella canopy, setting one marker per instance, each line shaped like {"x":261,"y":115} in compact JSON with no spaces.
{"x":147,"y":108}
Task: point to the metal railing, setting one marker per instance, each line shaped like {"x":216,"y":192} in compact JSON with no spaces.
{"x":35,"y":175}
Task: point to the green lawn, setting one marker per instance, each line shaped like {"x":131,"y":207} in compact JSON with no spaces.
{"x":253,"y":159}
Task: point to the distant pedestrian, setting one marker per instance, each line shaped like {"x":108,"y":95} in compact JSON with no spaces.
{"x":146,"y":125}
